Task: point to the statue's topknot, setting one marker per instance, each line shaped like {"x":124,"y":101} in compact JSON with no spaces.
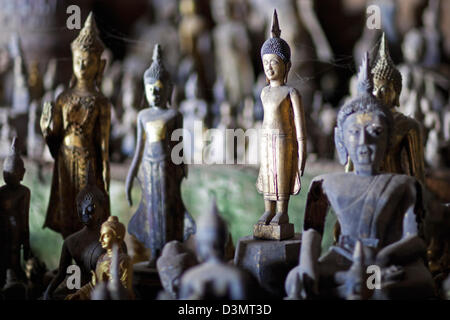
{"x":365,"y":82}
{"x":13,"y":161}
{"x":385,"y":69}
{"x":275,"y":44}
{"x":88,"y":39}
{"x":157,"y":70}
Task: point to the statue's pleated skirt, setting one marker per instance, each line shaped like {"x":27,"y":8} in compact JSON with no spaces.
{"x":278,"y":175}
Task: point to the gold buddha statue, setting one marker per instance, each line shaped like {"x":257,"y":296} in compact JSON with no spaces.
{"x":112,"y":234}
{"x":282,"y":140}
{"x":76,"y":129}
{"x":405,"y":154}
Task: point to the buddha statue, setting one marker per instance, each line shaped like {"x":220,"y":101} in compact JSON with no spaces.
{"x":76,"y":129}
{"x":379,"y":215}
{"x":14,"y":213}
{"x":160,"y":215}
{"x":82,"y":246}
{"x":283,"y":138}
{"x":405,"y":154}
{"x":176,"y":258}
{"x":214,"y":278}
{"x":112,"y":234}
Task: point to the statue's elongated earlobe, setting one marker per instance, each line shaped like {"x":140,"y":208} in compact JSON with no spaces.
{"x":286,"y":73}
{"x":340,"y":147}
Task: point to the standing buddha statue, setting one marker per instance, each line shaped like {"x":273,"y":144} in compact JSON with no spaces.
{"x":76,"y":129}
{"x":160,"y":215}
{"x":283,"y":140}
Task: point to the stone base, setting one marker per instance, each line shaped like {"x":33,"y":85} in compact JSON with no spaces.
{"x":146,"y":283}
{"x":273,"y":232}
{"x":269,"y":261}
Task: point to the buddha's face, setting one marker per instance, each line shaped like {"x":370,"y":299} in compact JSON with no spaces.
{"x":365,"y":138}
{"x":274,"y":67}
{"x":87,"y":211}
{"x":156,"y":94}
{"x":385,"y":92}
{"x":85,"y":65}
{"x":107,"y":239}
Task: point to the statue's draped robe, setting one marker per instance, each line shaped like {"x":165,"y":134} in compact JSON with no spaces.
{"x":160,"y":215}
{"x":406,"y":153}
{"x":79,"y":117}
{"x":278,"y":174}
{"x":374,"y":210}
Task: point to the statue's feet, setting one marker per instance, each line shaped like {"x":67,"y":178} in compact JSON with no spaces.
{"x":265,"y":218}
{"x":280,"y":218}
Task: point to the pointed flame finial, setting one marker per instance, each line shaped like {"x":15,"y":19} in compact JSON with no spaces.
{"x":275,"y":31}
{"x":365,"y":83}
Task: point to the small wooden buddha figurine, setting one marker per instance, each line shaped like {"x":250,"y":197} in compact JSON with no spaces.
{"x":112,"y":234}
{"x":160,"y":216}
{"x":76,"y":129}
{"x":14,"y":213}
{"x":283,"y":139}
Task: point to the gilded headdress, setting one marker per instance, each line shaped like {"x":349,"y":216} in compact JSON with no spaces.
{"x":385,"y":69}
{"x":275,"y":44}
{"x":88,"y":39}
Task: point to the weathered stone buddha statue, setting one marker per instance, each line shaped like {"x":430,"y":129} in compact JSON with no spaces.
{"x":176,"y":258}
{"x":214,"y":278}
{"x":405,"y":154}
{"x":159,"y":218}
{"x":82,"y":246}
{"x":112,"y":234}
{"x":283,"y":139}
{"x":378,"y":214}
{"x":14,"y":212}
{"x":76,"y":129}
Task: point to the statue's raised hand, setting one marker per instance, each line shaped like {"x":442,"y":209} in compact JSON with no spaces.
{"x":47,"y":116}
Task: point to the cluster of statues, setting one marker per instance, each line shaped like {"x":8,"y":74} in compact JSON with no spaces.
{"x":387,"y":220}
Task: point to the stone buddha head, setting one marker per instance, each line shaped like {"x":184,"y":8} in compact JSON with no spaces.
{"x":158,"y":87}
{"x":87,"y":49}
{"x":363,"y":128}
{"x":276,"y":55}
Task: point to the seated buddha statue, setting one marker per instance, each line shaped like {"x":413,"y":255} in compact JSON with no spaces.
{"x":378,"y":214}
{"x":112,"y":234}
